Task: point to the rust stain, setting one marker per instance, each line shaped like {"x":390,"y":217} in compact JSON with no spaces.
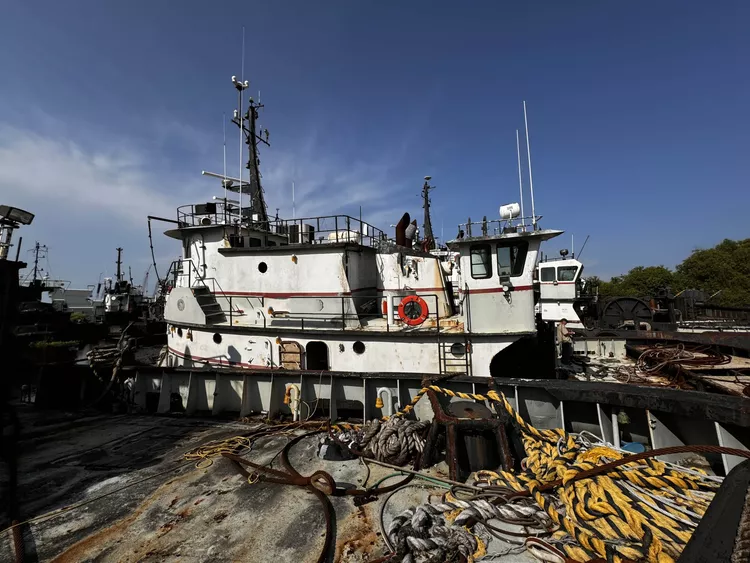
{"x":169,"y":526}
{"x":356,"y":535}
{"x":82,"y":550}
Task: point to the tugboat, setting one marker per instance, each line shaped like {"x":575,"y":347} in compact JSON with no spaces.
{"x":336,"y":293}
{"x":329,"y":316}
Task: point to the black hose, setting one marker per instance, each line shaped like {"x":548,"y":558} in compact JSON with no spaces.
{"x":153,"y":257}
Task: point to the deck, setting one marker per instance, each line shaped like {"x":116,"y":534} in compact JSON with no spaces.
{"x":141,"y":501}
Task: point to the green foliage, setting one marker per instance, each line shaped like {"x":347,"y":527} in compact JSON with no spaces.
{"x":724,"y":268}
{"x":78,"y":317}
{"x":639,"y":282}
{"x":593,"y":285}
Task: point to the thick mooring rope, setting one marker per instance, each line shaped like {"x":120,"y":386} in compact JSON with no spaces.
{"x":422,"y":535}
{"x":394,"y":441}
{"x":642,"y":510}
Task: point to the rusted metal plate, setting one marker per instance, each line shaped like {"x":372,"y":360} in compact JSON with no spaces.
{"x":469,"y":410}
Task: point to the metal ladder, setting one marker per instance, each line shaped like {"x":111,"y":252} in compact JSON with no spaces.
{"x":208,"y":304}
{"x":449,"y":363}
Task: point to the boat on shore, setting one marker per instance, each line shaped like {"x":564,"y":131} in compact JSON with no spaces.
{"x":335,"y":292}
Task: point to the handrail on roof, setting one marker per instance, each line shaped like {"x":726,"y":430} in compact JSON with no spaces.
{"x":304,"y":230}
{"x":494,"y":227}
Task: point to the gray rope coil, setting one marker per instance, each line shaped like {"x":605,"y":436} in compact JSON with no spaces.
{"x":421,"y":535}
{"x":394,"y":441}
{"x":100,"y":357}
{"x":482,"y":510}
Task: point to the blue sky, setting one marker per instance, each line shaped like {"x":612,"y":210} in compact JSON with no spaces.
{"x":638,"y":114}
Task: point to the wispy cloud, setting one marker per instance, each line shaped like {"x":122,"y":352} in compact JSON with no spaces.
{"x":325,"y":184}
{"x":113,"y":183}
{"x":117,"y":181}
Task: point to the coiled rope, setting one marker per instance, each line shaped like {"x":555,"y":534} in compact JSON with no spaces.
{"x":421,"y":534}
{"x":657,"y":358}
{"x":203,"y":455}
{"x":642,"y":510}
{"x":395,"y":440}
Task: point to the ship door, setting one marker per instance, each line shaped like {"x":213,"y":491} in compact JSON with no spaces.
{"x":291,"y":355}
{"x":548,"y":286}
{"x":317,"y":356}
{"x":558,"y":282}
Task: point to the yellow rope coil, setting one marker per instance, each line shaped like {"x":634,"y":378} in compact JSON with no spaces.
{"x":203,"y":455}
{"x":643,"y":510}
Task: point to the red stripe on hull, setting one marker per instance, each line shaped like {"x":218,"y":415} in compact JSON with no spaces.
{"x":497,"y":289}
{"x":219,"y":361}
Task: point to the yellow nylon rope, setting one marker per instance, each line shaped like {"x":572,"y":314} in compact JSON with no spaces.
{"x":638,"y":511}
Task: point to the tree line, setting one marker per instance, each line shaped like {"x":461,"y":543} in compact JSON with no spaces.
{"x":721,"y":272}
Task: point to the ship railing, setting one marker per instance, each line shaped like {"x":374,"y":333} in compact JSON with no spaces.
{"x":185,"y":271}
{"x":496,"y":227}
{"x":211,"y":213}
{"x":323,"y":229}
{"x":327,"y":229}
{"x":336,"y":312}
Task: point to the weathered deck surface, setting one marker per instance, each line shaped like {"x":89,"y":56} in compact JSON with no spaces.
{"x":182,"y":513}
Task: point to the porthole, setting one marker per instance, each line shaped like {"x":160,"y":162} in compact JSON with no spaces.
{"x":458,"y":349}
{"x":179,"y":332}
{"x":262,"y":267}
{"x":358,"y":347}
{"x":217,"y":338}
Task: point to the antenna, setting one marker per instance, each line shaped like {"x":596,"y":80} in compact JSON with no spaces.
{"x":119,"y":264}
{"x":294,"y":212}
{"x":38,"y":249}
{"x":528,"y":153}
{"x":429,"y":238}
{"x":241,"y":87}
{"x":224,"y":124}
{"x":520,"y":180}
{"x":584,"y":246}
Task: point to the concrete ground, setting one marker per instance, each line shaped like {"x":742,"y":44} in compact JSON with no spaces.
{"x":175,"y":512}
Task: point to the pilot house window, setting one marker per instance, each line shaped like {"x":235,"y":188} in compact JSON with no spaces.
{"x":566,"y":273}
{"x":511,"y":259}
{"x":548,"y":274}
{"x":481,"y":261}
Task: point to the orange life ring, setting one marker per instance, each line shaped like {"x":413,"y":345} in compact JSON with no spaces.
{"x":413,"y":310}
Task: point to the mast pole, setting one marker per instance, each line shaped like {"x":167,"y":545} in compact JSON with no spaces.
{"x":528,"y":153}
{"x":242,"y":125}
{"x":520,"y":180}
{"x":224,"y":125}
{"x":428,"y":234}
{"x":119,"y":264}
{"x":239,"y":109}
{"x":36,"y":260}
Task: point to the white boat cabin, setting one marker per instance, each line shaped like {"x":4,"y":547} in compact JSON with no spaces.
{"x":336,"y":293}
{"x":560,"y":289}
